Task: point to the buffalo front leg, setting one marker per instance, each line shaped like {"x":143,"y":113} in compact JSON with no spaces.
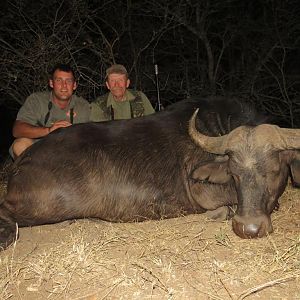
{"x":218,"y":200}
{"x":221,"y":213}
{"x":8,"y":230}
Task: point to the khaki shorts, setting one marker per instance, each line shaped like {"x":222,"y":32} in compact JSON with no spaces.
{"x":10,"y":150}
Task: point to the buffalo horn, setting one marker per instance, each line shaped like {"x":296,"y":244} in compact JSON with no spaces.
{"x":279,"y":138}
{"x":210,"y":144}
{"x":290,"y":138}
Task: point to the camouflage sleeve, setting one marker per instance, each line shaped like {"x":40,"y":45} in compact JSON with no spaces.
{"x":30,"y":112}
{"x":97,"y":114}
{"x":147,"y":105}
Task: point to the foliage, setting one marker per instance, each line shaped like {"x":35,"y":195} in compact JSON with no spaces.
{"x":246,"y":48}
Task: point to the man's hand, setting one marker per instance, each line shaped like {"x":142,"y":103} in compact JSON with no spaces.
{"x":59,"y":124}
{"x":24,"y":130}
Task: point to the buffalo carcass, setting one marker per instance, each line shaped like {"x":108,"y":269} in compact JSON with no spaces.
{"x":159,"y":166}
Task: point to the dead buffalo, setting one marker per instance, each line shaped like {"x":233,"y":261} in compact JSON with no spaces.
{"x":156,"y":167}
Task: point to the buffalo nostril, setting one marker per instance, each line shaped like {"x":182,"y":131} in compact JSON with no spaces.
{"x":251,"y":230}
{"x":245,"y":231}
{"x":256,"y":228}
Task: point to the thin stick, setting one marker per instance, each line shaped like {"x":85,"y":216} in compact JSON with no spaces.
{"x":263,"y":286}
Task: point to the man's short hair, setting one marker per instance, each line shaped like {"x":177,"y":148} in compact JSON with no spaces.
{"x":116,"y":69}
{"x":62,"y":67}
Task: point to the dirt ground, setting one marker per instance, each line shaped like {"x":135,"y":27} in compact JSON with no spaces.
{"x":184,"y":258}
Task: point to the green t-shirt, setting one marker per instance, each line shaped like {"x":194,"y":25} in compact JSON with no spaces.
{"x":36,"y":107}
{"x":122,"y":109}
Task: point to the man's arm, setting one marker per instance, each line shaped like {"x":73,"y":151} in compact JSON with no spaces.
{"x":24,"y":130}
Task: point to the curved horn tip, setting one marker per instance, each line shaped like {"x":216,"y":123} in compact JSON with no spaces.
{"x":193,"y":118}
{"x":192,"y":121}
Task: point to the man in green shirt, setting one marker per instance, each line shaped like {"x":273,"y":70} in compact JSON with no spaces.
{"x":44,"y":112}
{"x":120,"y":102}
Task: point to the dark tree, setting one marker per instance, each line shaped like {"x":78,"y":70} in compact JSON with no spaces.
{"x":245,"y":48}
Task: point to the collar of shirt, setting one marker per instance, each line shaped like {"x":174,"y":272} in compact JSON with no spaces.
{"x":70,"y":105}
{"x":128,"y":97}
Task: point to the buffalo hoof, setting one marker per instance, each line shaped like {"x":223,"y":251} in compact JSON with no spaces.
{"x":221,"y":214}
{"x":8,"y":234}
{"x":252,"y":227}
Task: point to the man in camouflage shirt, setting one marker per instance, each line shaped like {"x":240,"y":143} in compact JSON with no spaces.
{"x":120,"y":102}
{"x":44,"y":112}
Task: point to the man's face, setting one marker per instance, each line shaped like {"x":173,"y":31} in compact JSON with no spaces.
{"x":117,"y":84}
{"x":63,"y":85}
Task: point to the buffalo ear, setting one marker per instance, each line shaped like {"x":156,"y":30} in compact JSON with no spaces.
{"x":212,"y":172}
{"x":295,"y":171}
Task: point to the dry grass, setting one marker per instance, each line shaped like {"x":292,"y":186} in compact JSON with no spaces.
{"x":184,"y":258}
